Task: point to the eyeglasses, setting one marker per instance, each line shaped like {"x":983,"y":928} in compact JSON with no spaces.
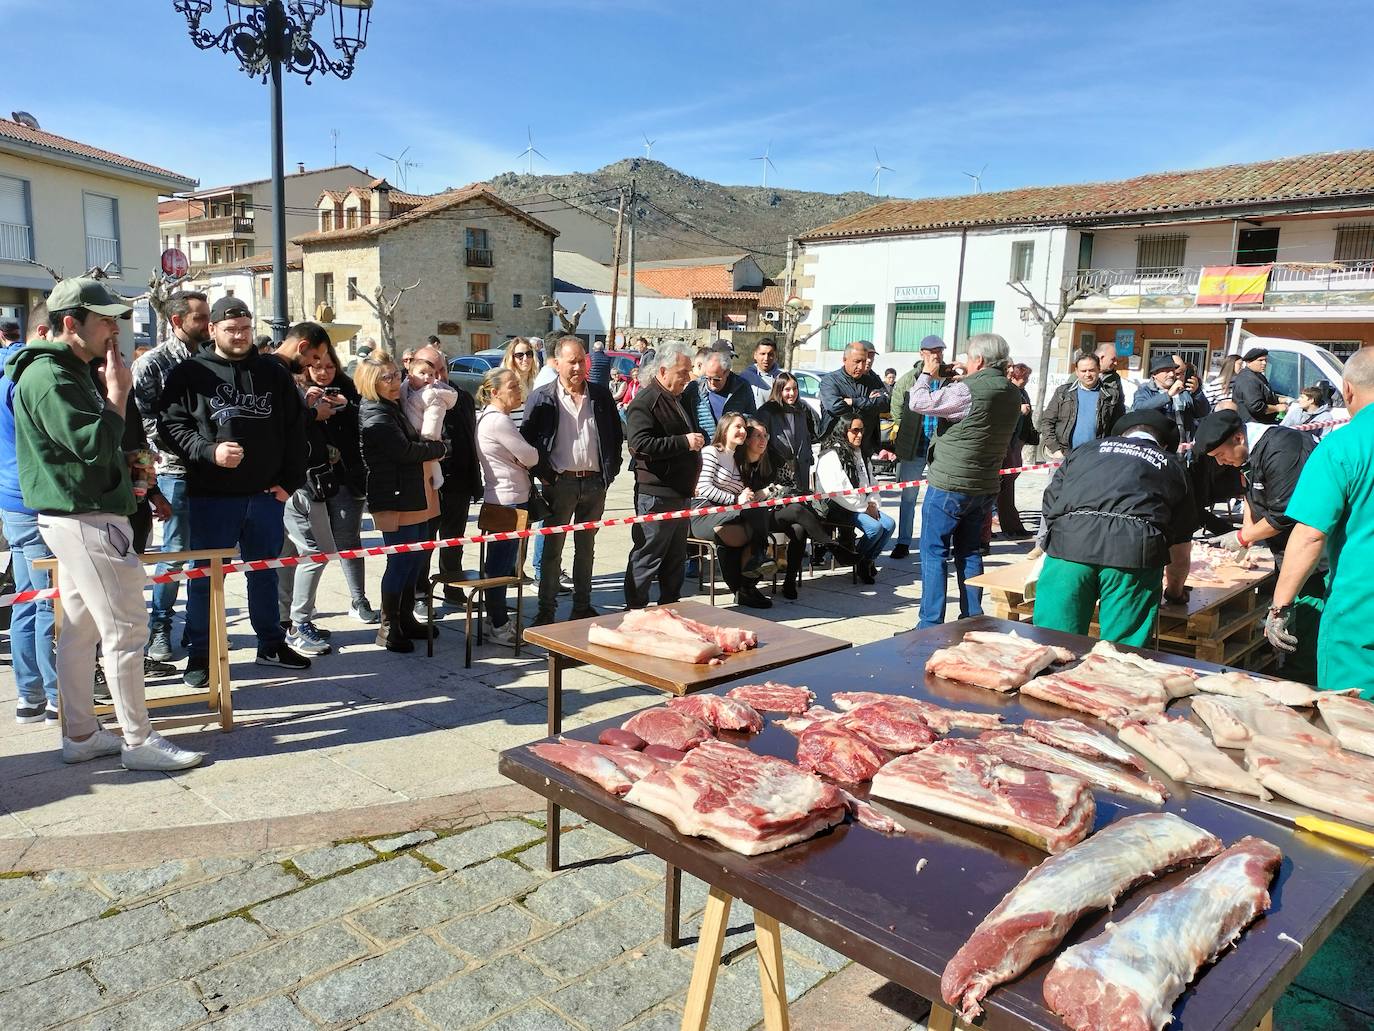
{"x":388,"y":377}
{"x":522,"y":354}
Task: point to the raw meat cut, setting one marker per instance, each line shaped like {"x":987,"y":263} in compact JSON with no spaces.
{"x":1184,"y":752}
{"x":614,"y":769}
{"x":1035,"y":915}
{"x":1026,"y":751}
{"x":748,"y":803}
{"x":720,"y":713}
{"x":1079,"y":737}
{"x":663,"y":726}
{"x":658,"y":646}
{"x":1329,"y":781}
{"x":665,"y":621}
{"x":1244,"y":685}
{"x":962,"y":779}
{"x":1350,"y":719}
{"x":1235,"y":722}
{"x":816,"y":714}
{"x":1113,"y":685}
{"x":869,"y":817}
{"x":773,"y":697}
{"x":839,"y":753}
{"x":620,"y":738}
{"x":999,"y":662}
{"x":1129,"y":976}
{"x":665,"y":753}
{"x":937,"y":717}
{"x":887,"y":725}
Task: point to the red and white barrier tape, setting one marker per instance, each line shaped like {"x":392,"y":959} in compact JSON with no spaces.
{"x":259,"y":565}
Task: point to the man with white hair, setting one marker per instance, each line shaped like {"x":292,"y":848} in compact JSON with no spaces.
{"x":718,"y":393}
{"x":977,"y":415}
{"x":1333,"y":510}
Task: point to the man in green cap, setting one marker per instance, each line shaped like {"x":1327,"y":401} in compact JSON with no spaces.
{"x":74,"y":474}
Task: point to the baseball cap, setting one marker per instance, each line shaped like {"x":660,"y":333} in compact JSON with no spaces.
{"x":932,"y":343}
{"x":1161,"y":362}
{"x":91,"y":294}
{"x":1216,"y":429}
{"x":229,"y":308}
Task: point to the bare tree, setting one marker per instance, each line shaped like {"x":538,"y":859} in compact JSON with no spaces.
{"x":569,"y":322}
{"x":1070,"y":293}
{"x":792,"y":314}
{"x":161,"y":287}
{"x":385,"y":309}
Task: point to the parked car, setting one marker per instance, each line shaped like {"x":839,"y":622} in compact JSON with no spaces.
{"x":809,"y":386}
{"x":1294,"y":364}
{"x":467,"y":371}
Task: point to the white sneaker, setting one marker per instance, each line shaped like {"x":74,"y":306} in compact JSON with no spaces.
{"x":157,"y":753}
{"x":101,"y":743}
{"x":503,"y":634}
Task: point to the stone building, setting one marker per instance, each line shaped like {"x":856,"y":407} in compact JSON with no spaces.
{"x":482,"y":266}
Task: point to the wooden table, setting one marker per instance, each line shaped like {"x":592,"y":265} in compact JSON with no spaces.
{"x":1222,"y":621}
{"x":217,"y":689}
{"x":568,"y":647}
{"x":861,"y":894}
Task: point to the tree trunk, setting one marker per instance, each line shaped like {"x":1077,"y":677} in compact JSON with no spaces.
{"x":1047,"y":335}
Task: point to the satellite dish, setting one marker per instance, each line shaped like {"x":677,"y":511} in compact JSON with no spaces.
{"x":24,"y":118}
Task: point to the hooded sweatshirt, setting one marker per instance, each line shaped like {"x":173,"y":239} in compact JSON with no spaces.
{"x":68,"y":443}
{"x":252,"y":401}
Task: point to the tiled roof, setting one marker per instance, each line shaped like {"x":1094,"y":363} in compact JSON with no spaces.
{"x":179,"y":210}
{"x":771,"y":296}
{"x":337,"y":196}
{"x":429,"y":206}
{"x":725,"y":295}
{"x":727,"y":260}
{"x":48,"y":141}
{"x":1309,"y":177}
{"x":686,"y":281}
{"x":577,"y":273}
{"x":289,"y":175}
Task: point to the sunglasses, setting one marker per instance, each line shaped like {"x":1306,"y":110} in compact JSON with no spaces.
{"x":522,"y":354}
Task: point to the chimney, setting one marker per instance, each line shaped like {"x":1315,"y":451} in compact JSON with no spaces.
{"x":300,"y":167}
{"x":381,"y":200}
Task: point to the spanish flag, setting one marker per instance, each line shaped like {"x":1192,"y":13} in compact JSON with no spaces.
{"x":1233,"y":284}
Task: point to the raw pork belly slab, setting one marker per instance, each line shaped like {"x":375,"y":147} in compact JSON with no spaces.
{"x":891,"y":727}
{"x":667,"y":622}
{"x":1079,"y":737}
{"x":999,"y":662}
{"x":1235,"y":722}
{"x":962,"y":779}
{"x":1329,"y":781}
{"x":1129,"y":976}
{"x":657,"y":646}
{"x":1113,"y":685}
{"x":748,"y":803}
{"x":671,"y":727}
{"x":1026,"y":751}
{"x":839,"y":753}
{"x":1243,"y":685}
{"x":1184,"y":752}
{"x":614,"y":768}
{"x":937,"y":717}
{"x":1350,"y":719}
{"x":720,"y":713}
{"x":773,"y":697}
{"x":1035,"y":915}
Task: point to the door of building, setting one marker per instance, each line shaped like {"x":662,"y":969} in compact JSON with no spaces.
{"x":1194,"y":352}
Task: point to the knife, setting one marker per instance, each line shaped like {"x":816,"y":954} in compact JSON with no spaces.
{"x":1315,"y":824}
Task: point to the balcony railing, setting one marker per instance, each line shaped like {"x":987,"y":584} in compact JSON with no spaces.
{"x":1306,"y":284}
{"x":480,"y":310}
{"x":16,"y":242}
{"x":479,"y":257}
{"x":219,"y":226}
{"x":102,"y":251}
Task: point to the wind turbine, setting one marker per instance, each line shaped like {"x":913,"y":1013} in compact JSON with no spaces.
{"x":767,"y":162}
{"x":978,"y":179}
{"x":878,"y":169}
{"x":529,"y":153}
{"x":403,"y":166}
{"x":648,"y":145}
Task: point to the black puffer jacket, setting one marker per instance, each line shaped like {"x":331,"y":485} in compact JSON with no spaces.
{"x":394,"y":455}
{"x":341,"y":431}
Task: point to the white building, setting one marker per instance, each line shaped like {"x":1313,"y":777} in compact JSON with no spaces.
{"x":579,"y":279}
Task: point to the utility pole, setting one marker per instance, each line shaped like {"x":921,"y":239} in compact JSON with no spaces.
{"x":787,"y":296}
{"x":634,"y":204}
{"x":615,"y":273}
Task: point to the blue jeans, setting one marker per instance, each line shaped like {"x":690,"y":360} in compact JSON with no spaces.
{"x":31,"y":637}
{"x":403,"y":570}
{"x":254,"y":522}
{"x":951,"y":528}
{"x":175,"y":537}
{"x":876,"y":532}
{"x":500,"y":561}
{"x":906,"y":510}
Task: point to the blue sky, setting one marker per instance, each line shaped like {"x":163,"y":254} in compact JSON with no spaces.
{"x":1039,"y":92}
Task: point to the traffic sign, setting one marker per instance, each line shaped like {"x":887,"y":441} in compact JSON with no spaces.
{"x":175,"y":263}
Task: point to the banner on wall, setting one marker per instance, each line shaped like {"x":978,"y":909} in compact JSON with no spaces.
{"x":1233,"y":284}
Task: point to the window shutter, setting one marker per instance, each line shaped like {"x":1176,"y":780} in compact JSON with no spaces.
{"x":14,"y":207}
{"x":100,"y":217}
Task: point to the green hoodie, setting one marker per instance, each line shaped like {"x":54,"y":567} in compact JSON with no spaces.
{"x":68,"y":443}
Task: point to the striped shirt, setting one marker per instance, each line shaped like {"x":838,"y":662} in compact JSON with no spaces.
{"x":719,"y":482}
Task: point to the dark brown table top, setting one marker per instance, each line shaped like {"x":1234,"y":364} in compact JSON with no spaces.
{"x":860,"y":893}
{"x":779,"y":645}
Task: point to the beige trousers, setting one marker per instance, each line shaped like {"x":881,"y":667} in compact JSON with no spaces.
{"x":101,"y":581}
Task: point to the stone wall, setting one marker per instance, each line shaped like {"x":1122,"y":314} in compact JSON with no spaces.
{"x":348,"y":258}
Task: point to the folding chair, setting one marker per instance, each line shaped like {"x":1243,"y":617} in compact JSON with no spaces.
{"x":490,"y":519}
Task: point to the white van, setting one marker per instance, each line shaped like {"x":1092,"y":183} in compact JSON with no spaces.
{"x":1294,"y":364}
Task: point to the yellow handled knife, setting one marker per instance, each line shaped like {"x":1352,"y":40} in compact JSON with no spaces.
{"x":1332,"y":829}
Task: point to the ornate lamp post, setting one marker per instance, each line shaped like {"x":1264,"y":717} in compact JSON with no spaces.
{"x":267,"y":36}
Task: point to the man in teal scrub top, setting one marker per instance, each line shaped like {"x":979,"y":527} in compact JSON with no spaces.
{"x":1333,"y":507}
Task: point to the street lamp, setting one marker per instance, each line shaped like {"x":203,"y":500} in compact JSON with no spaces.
{"x":267,"y":36}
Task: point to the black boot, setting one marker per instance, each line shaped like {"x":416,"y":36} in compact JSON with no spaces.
{"x":389,"y":635}
{"x":795,"y":550}
{"x":410,"y":626}
{"x":750,"y":597}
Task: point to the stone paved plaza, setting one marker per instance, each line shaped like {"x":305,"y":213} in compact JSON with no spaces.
{"x":349,"y":857}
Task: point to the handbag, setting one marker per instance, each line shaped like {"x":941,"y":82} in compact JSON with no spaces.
{"x":321,"y":482}
{"x":537,"y":506}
